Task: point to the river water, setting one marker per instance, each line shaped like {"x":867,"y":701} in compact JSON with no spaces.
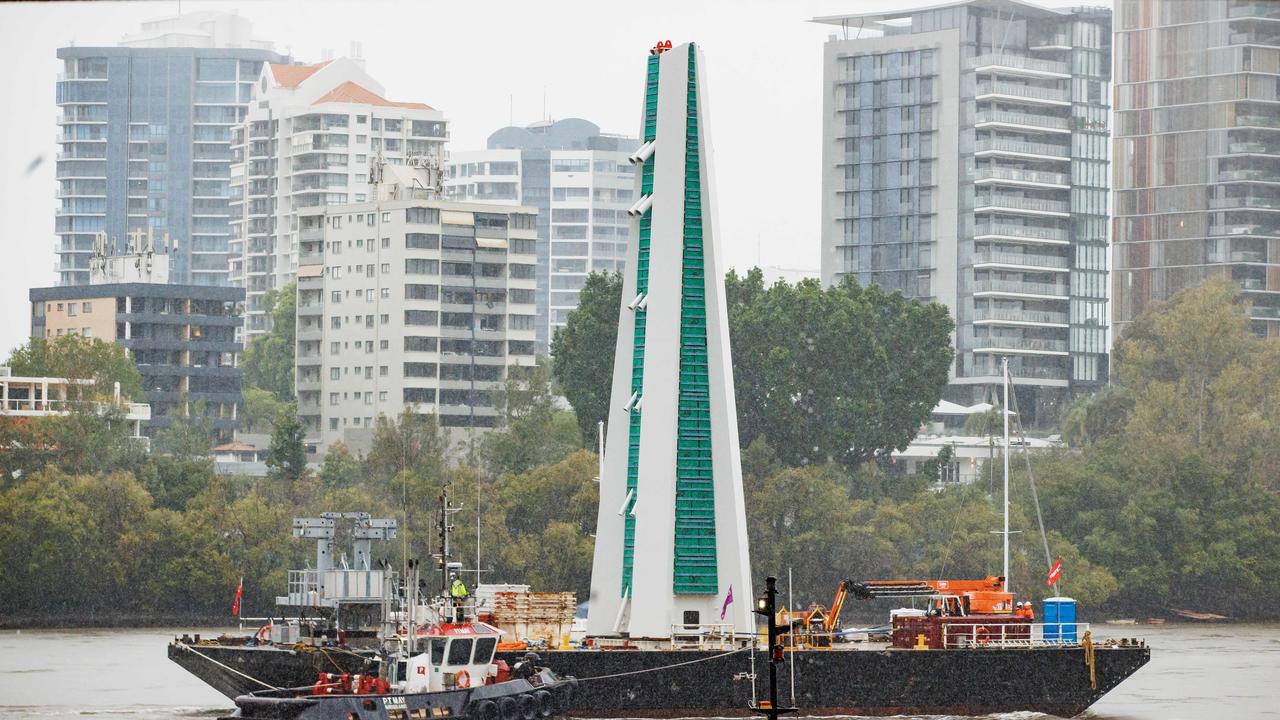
{"x":1196,"y":671}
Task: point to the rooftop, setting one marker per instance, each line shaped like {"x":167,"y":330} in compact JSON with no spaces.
{"x":355,"y":93}
{"x":893,"y":17}
{"x":291,"y":76}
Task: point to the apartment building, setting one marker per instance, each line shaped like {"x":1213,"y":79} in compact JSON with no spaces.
{"x":580,"y":181}
{"x":308,"y":142}
{"x":144,"y":134}
{"x":1197,"y":148}
{"x":410,"y":301}
{"x":181,"y":336}
{"x":965,"y":161}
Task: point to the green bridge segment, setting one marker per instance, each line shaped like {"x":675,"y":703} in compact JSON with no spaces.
{"x":695,"y":526}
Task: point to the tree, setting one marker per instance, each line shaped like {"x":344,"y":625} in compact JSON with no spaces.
{"x":534,"y":431}
{"x":340,"y":468}
{"x":260,"y":410}
{"x":842,"y":373}
{"x":287,"y":455}
{"x":268,"y":362}
{"x":583,"y":349}
{"x":79,"y":358}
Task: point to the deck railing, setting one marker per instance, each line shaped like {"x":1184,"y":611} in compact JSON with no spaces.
{"x":1003,"y":635}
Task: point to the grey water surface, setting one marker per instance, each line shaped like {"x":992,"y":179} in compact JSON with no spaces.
{"x":1196,"y":671}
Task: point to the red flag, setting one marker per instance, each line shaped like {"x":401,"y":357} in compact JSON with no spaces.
{"x":1055,"y":572}
{"x":235,"y":607}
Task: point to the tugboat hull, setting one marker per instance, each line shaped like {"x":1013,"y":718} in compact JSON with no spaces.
{"x":1051,"y":680}
{"x":225,"y":667}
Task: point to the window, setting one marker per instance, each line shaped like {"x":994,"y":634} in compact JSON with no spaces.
{"x":413,"y":343}
{"x":571,"y":166}
{"x":382,"y":396}
{"x":71,"y":309}
{"x":335,"y":322}
{"x":419,"y":266}
{"x":484,"y":650}
{"x":522,"y":272}
{"x":521,"y":322}
{"x":333,"y":398}
{"x":383,"y":344}
{"x":420,"y":395}
{"x":386,"y":267}
{"x":335,"y":373}
{"x":88,"y":307}
{"x":421,"y":292}
{"x":333,"y":423}
{"x":421,"y":317}
{"x":386,"y":242}
{"x":87,"y":332}
{"x":334,"y":347}
{"x":385,"y":320}
{"x":422,"y":241}
{"x":418,"y":369}
{"x":459,"y":651}
{"x":335,"y":296}
{"x":422,"y":215}
{"x":523,"y":246}
{"x":386,"y":293}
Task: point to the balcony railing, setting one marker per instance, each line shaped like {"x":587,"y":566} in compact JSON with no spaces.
{"x":987,"y":172}
{"x":1030,"y":92}
{"x":1260,"y":175}
{"x":1021,"y":231}
{"x":1253,"y":148}
{"x":1010,"y":202}
{"x":1025,"y":148}
{"x":1245,"y":202}
{"x":1265,"y":121}
{"x":1022,"y":260}
{"x":1024,"y":316}
{"x":1016,"y":287}
{"x":1025,"y":119}
{"x":996,"y":344}
{"x":1258,"y":10}
{"x":1018,"y":61}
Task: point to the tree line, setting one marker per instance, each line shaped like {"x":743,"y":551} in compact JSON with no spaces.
{"x":1166,"y":498}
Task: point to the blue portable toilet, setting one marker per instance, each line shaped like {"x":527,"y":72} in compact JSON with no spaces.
{"x":1059,"y":620}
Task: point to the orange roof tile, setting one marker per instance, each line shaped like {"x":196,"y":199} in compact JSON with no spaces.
{"x":350,"y":92}
{"x":292,"y":75}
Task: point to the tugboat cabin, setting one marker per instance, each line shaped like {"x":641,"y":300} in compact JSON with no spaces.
{"x":453,"y":656}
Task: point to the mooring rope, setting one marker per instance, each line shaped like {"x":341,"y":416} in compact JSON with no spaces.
{"x":664,"y":667}
{"x":224,"y":666}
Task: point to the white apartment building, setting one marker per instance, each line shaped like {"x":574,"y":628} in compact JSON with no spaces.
{"x":580,"y":181}
{"x":412,"y":301}
{"x":307,"y":143}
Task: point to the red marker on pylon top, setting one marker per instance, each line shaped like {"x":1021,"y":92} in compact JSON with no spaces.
{"x":661,"y":47}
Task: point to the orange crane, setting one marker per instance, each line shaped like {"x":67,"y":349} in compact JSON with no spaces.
{"x":960,"y":597}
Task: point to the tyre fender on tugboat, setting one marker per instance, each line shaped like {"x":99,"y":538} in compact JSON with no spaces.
{"x":546,"y":704}
{"x":484,"y":710}
{"x":508,"y":708}
{"x":528,"y":707}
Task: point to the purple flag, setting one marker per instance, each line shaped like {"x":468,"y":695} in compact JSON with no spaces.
{"x":727,"y":600}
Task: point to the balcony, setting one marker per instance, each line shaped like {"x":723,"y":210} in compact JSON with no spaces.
{"x":1254,"y":10}
{"x":1011,"y":203}
{"x":1019,"y":288}
{"x":1020,"y":317}
{"x":1243,"y":203}
{"x":1257,"y":121}
{"x":995,"y":174}
{"x":1026,"y":93}
{"x":994,"y":231}
{"x":1262,"y":312}
{"x":1017,"y":64}
{"x":1021,"y":260}
{"x":1020,"y":372}
{"x":1248,"y":229}
{"x":1238,"y":256}
{"x":1248,"y":176}
{"x":1018,"y":147}
{"x":1252,"y":148}
{"x":1022,"y":120}
{"x":1035,"y":346}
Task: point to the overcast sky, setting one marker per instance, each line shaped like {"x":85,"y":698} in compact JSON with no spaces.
{"x":483,"y":64}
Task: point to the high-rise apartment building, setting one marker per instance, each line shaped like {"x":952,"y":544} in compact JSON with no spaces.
{"x":413,"y":302}
{"x":181,"y":336}
{"x":308,"y":142}
{"x":965,"y":161}
{"x":145,"y":134}
{"x":581,"y":183}
{"x":1197,"y":148}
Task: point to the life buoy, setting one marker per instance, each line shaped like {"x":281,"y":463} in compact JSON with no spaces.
{"x":463,"y":678}
{"x":263,"y":634}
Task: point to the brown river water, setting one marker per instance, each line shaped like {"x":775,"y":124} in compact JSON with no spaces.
{"x":1197,"y":671}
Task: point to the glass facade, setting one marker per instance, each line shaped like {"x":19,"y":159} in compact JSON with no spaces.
{"x":971,"y":167}
{"x":145,"y":148}
{"x":1198,"y":153}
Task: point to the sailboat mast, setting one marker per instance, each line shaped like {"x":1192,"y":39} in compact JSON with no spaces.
{"x":1004,"y":372}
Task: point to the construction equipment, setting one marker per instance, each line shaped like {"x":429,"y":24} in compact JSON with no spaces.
{"x":951,"y":597}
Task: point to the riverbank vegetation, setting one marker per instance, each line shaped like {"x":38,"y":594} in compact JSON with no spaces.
{"x":1166,"y":499}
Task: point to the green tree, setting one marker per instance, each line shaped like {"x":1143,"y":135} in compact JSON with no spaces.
{"x":287,"y":455}
{"x":260,"y":410}
{"x":841,"y":373}
{"x":268,"y":362}
{"x":534,"y":431}
{"x":583,"y":349}
{"x":79,"y":358}
{"x":340,"y":468}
